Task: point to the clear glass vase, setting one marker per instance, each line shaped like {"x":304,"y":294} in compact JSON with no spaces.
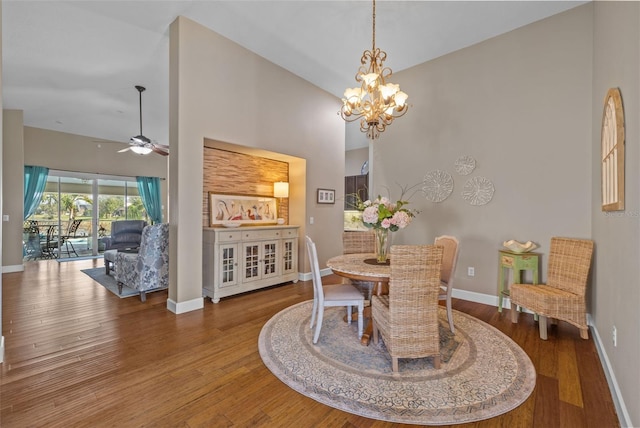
{"x":383,"y":241}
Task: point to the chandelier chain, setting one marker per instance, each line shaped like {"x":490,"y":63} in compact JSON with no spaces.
{"x":374,"y":27}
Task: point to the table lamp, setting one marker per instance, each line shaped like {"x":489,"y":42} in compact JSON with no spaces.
{"x":280,"y":190}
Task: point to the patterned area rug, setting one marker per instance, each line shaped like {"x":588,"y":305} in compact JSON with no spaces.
{"x":110,"y":283}
{"x":483,"y":373}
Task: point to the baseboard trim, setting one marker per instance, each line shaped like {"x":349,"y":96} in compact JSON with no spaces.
{"x":183,"y":307}
{"x":12,"y":268}
{"x":621,"y":408}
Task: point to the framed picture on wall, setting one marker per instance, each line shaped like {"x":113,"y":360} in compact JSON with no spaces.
{"x":231,"y":210}
{"x":326,"y":196}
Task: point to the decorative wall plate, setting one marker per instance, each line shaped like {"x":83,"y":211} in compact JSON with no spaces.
{"x":465,"y":165}
{"x":365,"y":168}
{"x":438,"y":185}
{"x":478,"y":191}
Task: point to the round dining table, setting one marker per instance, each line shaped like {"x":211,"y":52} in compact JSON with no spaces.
{"x":363,"y":267}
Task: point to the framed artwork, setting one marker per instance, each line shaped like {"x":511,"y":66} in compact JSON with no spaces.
{"x":326,"y":196}
{"x":231,"y":210}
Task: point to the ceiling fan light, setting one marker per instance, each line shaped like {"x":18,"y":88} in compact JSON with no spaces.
{"x":141,"y":150}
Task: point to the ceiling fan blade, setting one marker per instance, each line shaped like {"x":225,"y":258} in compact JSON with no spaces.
{"x":124,"y":150}
{"x":160,"y":150}
{"x":162,"y":146}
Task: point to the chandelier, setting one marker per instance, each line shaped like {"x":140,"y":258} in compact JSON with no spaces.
{"x":376,"y":102}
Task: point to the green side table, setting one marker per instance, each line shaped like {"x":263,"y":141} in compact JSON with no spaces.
{"x":517,"y":262}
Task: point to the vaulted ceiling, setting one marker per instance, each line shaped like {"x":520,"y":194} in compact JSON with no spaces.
{"x":71,"y":66}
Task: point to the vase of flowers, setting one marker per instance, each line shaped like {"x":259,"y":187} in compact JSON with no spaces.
{"x":382,"y":244}
{"x":384,"y":216}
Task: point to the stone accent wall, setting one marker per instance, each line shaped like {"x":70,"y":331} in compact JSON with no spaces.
{"x":241,"y":174}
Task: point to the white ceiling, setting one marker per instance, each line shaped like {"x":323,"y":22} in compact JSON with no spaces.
{"x":71,"y":66}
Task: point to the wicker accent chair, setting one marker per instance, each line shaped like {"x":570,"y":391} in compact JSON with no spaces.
{"x":331,"y":295}
{"x":451,"y":246}
{"x":563,"y":296}
{"x":358,"y":243}
{"x":407,"y":318}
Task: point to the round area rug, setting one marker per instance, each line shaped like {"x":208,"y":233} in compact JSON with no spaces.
{"x":483,"y":372}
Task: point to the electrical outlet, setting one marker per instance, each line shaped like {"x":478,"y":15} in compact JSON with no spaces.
{"x":615,"y":336}
{"x":471,"y":271}
{"x":310,"y":220}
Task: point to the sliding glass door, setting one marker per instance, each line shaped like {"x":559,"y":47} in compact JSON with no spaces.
{"x":69,"y":222}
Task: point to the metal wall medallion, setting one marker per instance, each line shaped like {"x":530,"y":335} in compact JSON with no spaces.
{"x":465,"y":165}
{"x":438,"y":185}
{"x":478,"y":191}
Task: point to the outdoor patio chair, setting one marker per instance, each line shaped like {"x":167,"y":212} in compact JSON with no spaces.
{"x":49,"y":244}
{"x":71,"y":233}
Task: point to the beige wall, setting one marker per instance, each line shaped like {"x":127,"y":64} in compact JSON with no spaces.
{"x":13,"y":188}
{"x":520,"y":105}
{"x":221,"y":91}
{"x":354,"y":160}
{"x":616,"y":295}
{"x":70,"y":152}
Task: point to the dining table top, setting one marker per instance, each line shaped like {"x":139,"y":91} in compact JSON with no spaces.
{"x":360,"y":266}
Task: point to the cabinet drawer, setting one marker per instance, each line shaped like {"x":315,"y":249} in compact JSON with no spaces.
{"x":507,"y":261}
{"x":261,"y":234}
{"x":229,"y":236}
{"x":289,"y":233}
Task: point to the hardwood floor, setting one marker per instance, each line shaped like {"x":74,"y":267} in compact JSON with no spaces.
{"x":78,"y":356}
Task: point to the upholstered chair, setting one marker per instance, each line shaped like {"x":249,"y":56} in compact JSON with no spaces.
{"x":407,"y":318}
{"x":563,"y":297}
{"x":125,"y":235}
{"x":148,"y":269}
{"x":331,"y":295}
{"x":450,"y":245}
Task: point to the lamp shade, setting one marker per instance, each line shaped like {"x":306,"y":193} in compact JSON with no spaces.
{"x":281,"y":189}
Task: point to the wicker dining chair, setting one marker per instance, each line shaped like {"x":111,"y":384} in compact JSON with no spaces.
{"x":358,"y":242}
{"x":407,"y":318}
{"x":563,"y":296}
{"x":451,"y":247}
{"x":331,"y":295}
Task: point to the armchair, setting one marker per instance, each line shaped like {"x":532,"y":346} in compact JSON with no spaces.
{"x":125,"y":234}
{"x":148,"y":269}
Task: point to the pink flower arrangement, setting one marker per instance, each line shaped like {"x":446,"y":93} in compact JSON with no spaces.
{"x":383,"y":214}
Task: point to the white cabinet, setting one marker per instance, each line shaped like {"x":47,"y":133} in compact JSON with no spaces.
{"x":249,"y":258}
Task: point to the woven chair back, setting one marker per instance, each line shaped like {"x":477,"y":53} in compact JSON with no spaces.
{"x":358,"y":242}
{"x":569,"y":263}
{"x":414,"y":285}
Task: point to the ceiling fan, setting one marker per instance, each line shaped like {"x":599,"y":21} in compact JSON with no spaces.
{"x":141,"y":144}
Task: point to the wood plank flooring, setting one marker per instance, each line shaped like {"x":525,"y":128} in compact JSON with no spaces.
{"x":78,"y":356}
